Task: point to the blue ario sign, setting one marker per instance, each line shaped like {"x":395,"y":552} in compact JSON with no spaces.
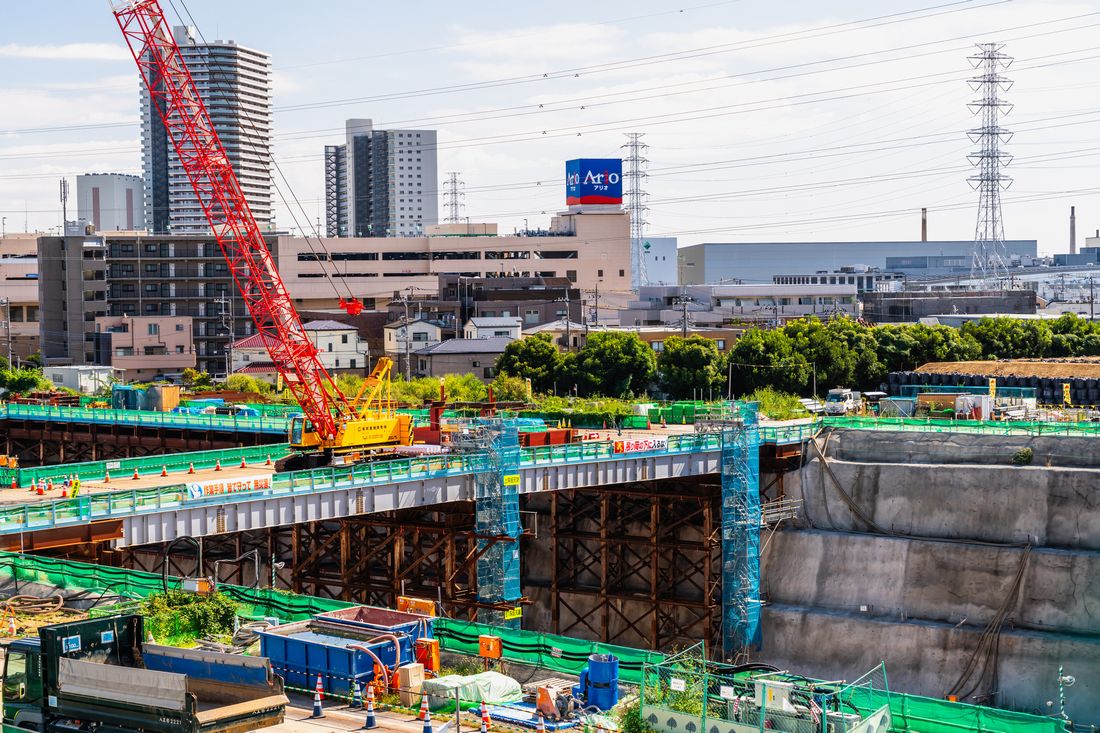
{"x":594,"y":181}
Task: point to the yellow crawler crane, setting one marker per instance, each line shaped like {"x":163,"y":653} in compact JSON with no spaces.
{"x":375,"y":424}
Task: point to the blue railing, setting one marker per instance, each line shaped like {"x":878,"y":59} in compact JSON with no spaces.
{"x":142,"y":418}
{"x":118,"y":504}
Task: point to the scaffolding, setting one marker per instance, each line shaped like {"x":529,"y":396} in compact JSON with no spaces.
{"x":497,"y":525}
{"x":741,"y":521}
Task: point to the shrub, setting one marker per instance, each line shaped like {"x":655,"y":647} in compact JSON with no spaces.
{"x":1023,"y":457}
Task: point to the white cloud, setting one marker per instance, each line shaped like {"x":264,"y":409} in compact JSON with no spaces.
{"x":67,"y":51}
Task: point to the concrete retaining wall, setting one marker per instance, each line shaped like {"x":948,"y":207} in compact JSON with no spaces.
{"x":1048,"y":507}
{"x":927,"y":658}
{"x":884,"y":446}
{"x":935,"y":581}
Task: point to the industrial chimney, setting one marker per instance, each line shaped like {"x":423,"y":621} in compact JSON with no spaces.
{"x":924,"y":225}
{"x":1072,"y":230}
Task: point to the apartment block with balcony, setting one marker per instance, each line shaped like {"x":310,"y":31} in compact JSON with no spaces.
{"x":18,"y":296}
{"x":144,"y":348}
{"x":72,"y":280}
{"x":179,"y":276}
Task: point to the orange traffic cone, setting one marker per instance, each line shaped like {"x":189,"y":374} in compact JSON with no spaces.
{"x":218,"y":465}
{"x":106,"y":477}
{"x":65,"y":490}
{"x":49,"y":484}
{"x":266,"y":463}
{"x":425,"y":714}
{"x":484,"y":718}
{"x":14,"y":483}
{"x":135,"y":477}
{"x":190,"y":469}
{"x":41,"y":490}
{"x":164,"y":470}
{"x":11,"y":625}
{"x":243,"y":465}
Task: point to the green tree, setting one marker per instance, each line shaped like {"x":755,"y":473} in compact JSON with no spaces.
{"x":23,"y":380}
{"x":510,"y":389}
{"x":690,"y":366}
{"x":242,"y":383}
{"x":614,"y":364}
{"x":194,"y":379}
{"x":767,"y":359}
{"x":535,"y":358}
{"x":1010,"y":338}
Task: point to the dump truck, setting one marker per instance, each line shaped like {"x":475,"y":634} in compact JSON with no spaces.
{"x":99,"y":675}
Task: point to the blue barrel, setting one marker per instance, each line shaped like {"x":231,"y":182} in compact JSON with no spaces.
{"x":603,"y":680}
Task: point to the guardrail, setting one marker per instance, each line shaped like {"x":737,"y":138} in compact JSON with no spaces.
{"x":125,"y":467}
{"x":998,"y":427}
{"x":117,"y":504}
{"x":142,"y":418}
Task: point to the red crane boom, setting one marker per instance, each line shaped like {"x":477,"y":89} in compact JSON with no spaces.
{"x":219,"y":193}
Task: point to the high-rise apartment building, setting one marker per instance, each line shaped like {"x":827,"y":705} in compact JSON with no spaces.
{"x":381,"y":183}
{"x":234,"y":83}
{"x":111,"y":201}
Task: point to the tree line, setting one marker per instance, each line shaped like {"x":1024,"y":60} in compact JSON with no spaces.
{"x":789,"y":359}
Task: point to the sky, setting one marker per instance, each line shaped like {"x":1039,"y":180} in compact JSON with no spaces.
{"x":765,"y":121}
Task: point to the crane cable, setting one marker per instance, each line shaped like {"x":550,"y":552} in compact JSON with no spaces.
{"x":246,"y":117}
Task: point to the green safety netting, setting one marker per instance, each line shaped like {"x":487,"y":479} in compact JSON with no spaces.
{"x":550,"y":651}
{"x":929,"y":715}
{"x":911,"y":713}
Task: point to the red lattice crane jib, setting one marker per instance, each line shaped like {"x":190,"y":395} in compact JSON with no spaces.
{"x":210,"y":172}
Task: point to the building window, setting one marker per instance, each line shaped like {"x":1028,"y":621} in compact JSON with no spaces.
{"x":622,"y":273}
{"x":720,"y":343}
{"x":476,"y":364}
{"x":179,"y":326}
{"x":353,"y":362}
{"x":337,"y":363}
{"x":488,"y":372}
{"x":658,"y":346}
{"x":154,"y":329}
{"x":572,"y":275}
{"x":330,"y":347}
{"x":599,"y":273}
{"x":421,"y":336}
{"x":343,"y":338}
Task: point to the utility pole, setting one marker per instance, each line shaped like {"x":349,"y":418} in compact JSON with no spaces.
{"x":682,"y":300}
{"x":1092,"y":302}
{"x":226,"y":316}
{"x":7,"y":327}
{"x":568,"y":330}
{"x":596,"y":312}
{"x":408,"y":356}
{"x":64,"y":206}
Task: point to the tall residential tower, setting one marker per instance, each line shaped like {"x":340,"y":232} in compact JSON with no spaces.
{"x":381,"y":183}
{"x":235,"y":85}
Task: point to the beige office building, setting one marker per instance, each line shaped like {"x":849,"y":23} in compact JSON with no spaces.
{"x":588,"y":248}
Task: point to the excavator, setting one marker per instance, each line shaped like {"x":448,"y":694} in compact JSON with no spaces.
{"x":332,"y":427}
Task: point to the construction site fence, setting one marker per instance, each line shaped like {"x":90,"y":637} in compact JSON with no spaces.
{"x":112,"y":504}
{"x":993,"y":427}
{"x":550,"y":651}
{"x":685,"y":692}
{"x":144,"y":418}
{"x":124,"y":468}
{"x":652,"y":670}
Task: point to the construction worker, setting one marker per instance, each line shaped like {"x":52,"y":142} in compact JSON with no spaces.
{"x":76,"y":487}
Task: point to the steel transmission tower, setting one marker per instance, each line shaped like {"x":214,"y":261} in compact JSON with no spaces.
{"x":990,"y":258}
{"x":453,"y":197}
{"x":635,"y":175}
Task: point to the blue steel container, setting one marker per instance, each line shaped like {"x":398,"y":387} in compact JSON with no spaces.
{"x":301,"y":651}
{"x":382,"y":620}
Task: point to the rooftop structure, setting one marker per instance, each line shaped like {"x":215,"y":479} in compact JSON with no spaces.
{"x":725,"y":304}
{"x":111,"y":201}
{"x":754,"y":262}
